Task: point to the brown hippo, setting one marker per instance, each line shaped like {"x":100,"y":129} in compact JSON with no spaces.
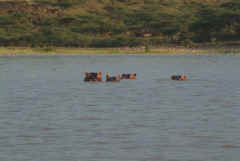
{"x":113,"y":79}
{"x":179,"y":77}
{"x":93,"y":77}
{"x":129,"y":76}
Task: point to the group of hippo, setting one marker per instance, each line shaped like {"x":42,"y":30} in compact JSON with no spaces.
{"x":97,"y":77}
{"x":179,"y":77}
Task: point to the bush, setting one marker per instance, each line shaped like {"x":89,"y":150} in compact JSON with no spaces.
{"x":64,"y":3}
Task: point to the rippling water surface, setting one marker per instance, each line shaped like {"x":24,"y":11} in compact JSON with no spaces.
{"x":47,"y":112}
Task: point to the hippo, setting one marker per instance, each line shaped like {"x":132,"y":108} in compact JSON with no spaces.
{"x":179,"y":77}
{"x":129,"y":76}
{"x":93,"y":77}
{"x":113,"y":78}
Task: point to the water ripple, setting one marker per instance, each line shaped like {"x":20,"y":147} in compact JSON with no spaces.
{"x":47,"y":112}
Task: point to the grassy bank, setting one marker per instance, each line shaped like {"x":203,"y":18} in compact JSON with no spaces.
{"x":139,"y":50}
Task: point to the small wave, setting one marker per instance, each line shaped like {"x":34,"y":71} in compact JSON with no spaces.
{"x":89,"y":118}
{"x":229,"y":146}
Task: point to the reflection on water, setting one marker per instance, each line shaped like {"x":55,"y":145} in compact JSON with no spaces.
{"x":47,"y":112}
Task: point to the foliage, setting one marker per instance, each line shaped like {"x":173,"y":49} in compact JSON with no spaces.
{"x":119,"y":23}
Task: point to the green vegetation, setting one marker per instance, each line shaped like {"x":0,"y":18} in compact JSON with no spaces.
{"x":118,"y":23}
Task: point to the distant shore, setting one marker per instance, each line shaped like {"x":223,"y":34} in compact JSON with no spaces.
{"x":122,"y":50}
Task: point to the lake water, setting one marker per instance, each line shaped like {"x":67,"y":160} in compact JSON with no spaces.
{"x":47,"y":112}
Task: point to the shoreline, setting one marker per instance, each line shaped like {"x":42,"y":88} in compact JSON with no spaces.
{"x":122,"y":50}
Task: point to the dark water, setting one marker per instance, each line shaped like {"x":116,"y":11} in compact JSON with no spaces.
{"x":47,"y":112}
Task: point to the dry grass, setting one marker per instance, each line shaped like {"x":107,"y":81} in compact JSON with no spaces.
{"x":126,"y":50}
